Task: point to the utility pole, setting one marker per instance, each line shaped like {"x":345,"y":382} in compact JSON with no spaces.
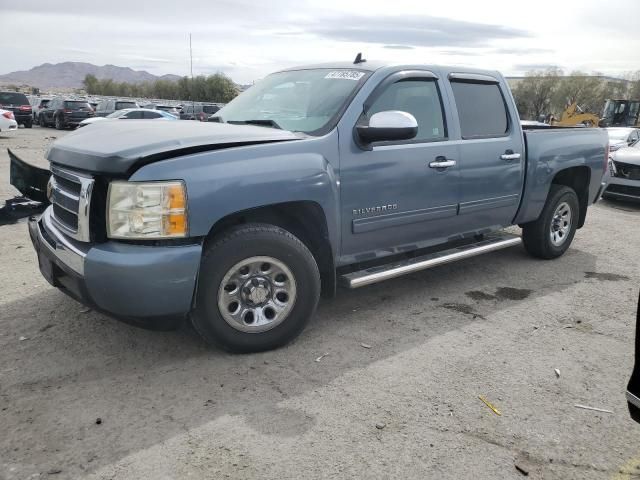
{"x":193,"y":102}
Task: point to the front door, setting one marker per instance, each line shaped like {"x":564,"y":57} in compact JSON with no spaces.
{"x":400,"y":195}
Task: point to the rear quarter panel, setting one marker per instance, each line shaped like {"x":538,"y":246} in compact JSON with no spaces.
{"x":549,"y":151}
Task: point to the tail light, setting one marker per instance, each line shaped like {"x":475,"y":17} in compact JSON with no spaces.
{"x":8,"y":115}
{"x":66,"y":110}
{"x":24,"y":107}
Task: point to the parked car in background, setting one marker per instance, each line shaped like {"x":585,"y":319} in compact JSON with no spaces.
{"x":64,"y":112}
{"x":131,"y":114}
{"x":38,"y":107}
{"x":8,"y":122}
{"x":349,"y":174}
{"x":198,"y":112}
{"x":624,"y":174}
{"x":18,"y":103}
{"x":165,"y":108}
{"x":620,"y":137}
{"x":107,"y":107}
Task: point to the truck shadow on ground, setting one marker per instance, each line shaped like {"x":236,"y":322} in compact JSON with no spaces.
{"x":619,"y":205}
{"x":74,"y":366}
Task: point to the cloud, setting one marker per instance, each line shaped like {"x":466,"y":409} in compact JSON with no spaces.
{"x":416,"y":31}
{"x":521,"y":51}
{"x":142,"y":58}
{"x":399,"y":47}
{"x":527,"y":67}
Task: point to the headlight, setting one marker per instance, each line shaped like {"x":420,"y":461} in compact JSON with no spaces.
{"x":147,"y":210}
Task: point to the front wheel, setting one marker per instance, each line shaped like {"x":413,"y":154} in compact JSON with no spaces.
{"x":258,"y":287}
{"x":552,"y":233}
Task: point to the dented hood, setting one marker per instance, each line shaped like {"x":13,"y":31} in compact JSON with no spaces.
{"x":120,"y":147}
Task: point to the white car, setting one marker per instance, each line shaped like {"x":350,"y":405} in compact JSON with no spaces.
{"x":8,"y":122}
{"x":130,"y":114}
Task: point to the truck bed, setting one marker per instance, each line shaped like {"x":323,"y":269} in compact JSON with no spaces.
{"x":552,"y":149}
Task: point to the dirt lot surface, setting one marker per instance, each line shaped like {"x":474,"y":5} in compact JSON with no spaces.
{"x":85,"y":396}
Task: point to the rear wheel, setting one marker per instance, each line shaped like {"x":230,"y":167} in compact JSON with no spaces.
{"x":58,"y":123}
{"x":258,"y":288}
{"x":41,"y":121}
{"x":552,"y":233}
{"x":28,"y":124}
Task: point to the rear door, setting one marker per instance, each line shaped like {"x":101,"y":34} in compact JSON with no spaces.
{"x":491,"y":152}
{"x":394,"y":197}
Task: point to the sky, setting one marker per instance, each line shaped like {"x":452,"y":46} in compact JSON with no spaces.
{"x":248,"y":39}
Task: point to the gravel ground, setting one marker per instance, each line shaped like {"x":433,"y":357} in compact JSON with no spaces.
{"x":407,"y":407}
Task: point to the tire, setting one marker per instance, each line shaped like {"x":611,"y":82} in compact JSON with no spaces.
{"x":537,"y":236}
{"x":28,"y":124}
{"x":291,"y":284}
{"x":41,"y":121}
{"x":58,"y":123}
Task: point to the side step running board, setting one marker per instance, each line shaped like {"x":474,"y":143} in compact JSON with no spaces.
{"x":397,"y":269}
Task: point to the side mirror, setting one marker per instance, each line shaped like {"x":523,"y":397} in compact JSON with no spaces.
{"x":388,"y":126}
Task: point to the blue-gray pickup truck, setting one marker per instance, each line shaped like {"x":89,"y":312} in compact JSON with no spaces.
{"x":339,"y":174}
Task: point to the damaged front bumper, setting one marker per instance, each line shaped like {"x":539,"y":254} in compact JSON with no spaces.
{"x":137,"y":283}
{"x":29,"y":180}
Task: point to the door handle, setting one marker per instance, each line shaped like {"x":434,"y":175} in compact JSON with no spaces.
{"x":442,"y":162}
{"x":509,"y":155}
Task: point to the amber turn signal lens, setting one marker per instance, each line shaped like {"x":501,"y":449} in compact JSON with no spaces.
{"x":176,"y":196}
{"x":175,"y":224}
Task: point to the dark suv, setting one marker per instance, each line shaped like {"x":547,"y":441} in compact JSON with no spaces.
{"x":63,"y":112}
{"x":19,"y":105}
{"x":198,"y":112}
{"x":107,"y":107}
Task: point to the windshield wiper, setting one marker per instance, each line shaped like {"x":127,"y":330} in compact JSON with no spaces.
{"x":261,"y":122}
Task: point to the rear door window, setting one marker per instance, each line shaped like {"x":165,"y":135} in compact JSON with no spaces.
{"x":210,"y":109}
{"x":136,"y":114}
{"x":123,"y":105}
{"x":481,"y":109}
{"x":74,"y":105}
{"x":151,"y":115}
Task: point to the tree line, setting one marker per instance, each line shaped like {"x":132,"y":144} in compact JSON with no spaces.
{"x":216,"y":88}
{"x":549,"y":91}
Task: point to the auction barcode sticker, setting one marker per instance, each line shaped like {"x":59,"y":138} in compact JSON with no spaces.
{"x":345,"y":74}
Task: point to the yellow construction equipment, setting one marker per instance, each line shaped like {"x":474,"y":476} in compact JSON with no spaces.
{"x":574,"y":115}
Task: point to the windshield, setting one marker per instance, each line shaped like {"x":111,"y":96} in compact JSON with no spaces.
{"x":618,"y":134}
{"x":301,"y":101}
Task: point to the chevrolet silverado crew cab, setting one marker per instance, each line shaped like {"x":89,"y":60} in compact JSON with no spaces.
{"x":316,"y":176}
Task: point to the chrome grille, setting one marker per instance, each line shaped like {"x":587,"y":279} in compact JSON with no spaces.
{"x":70,"y":195}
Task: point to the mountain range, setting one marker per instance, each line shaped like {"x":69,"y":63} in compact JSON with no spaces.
{"x":71,"y":75}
